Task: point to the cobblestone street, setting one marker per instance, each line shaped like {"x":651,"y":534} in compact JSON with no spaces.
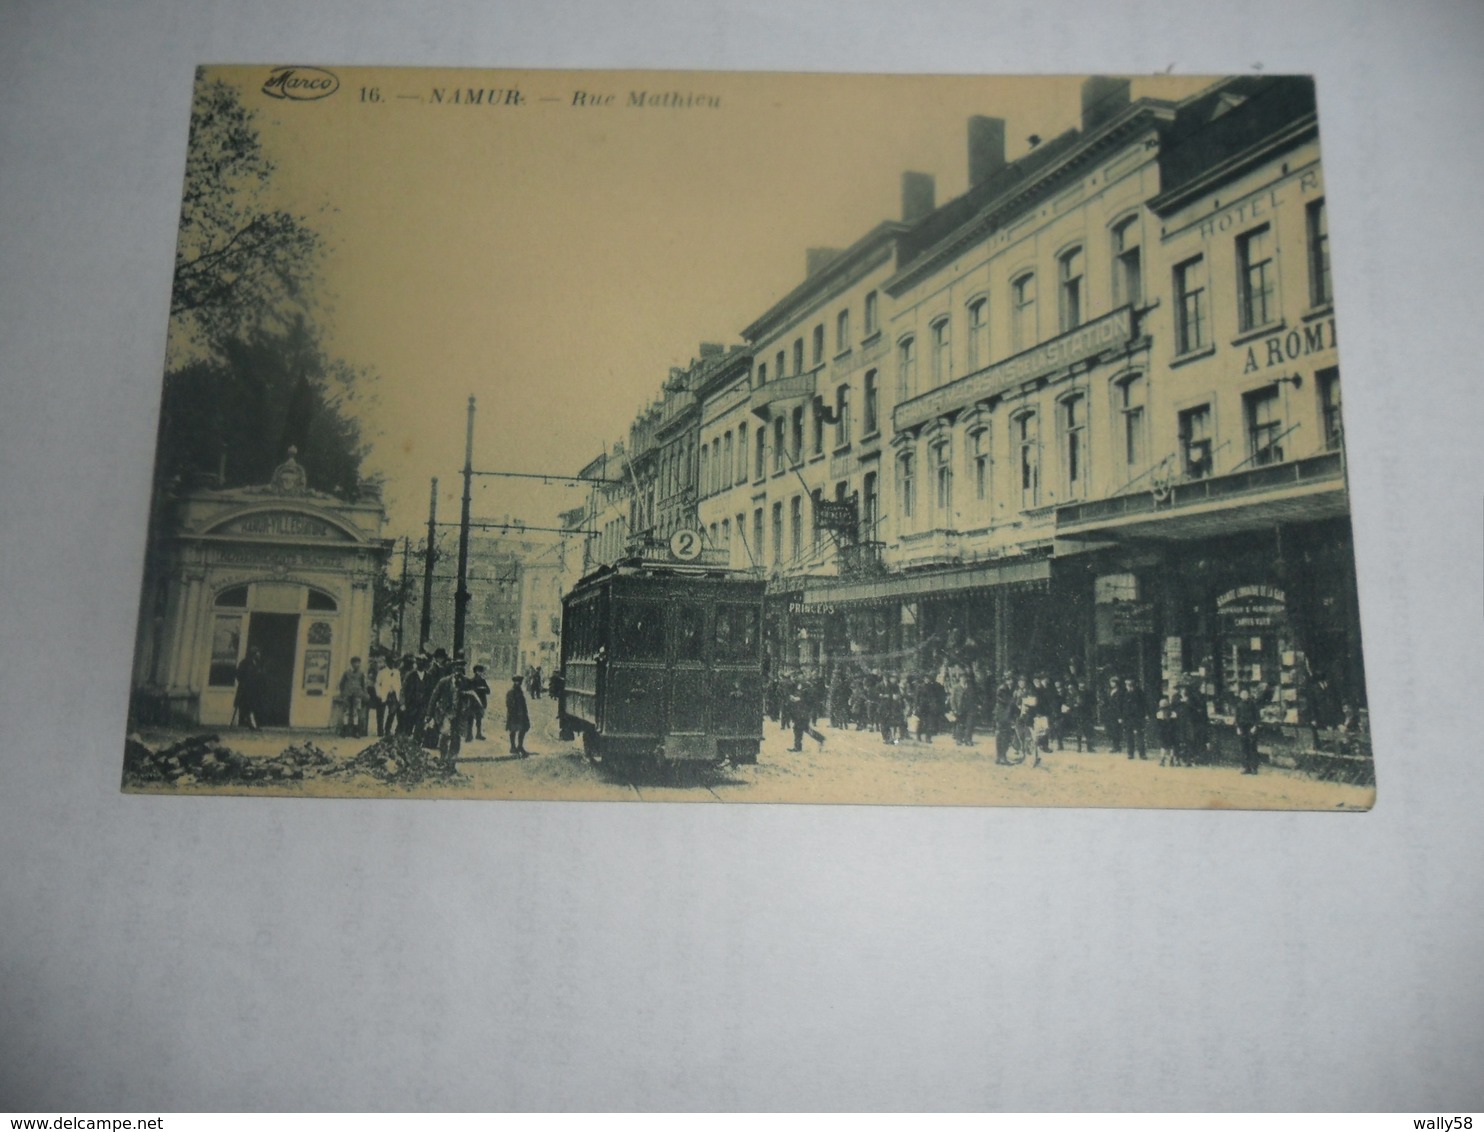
{"x":853,"y":767}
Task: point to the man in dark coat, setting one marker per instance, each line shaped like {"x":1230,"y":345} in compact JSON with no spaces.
{"x":1246,"y":726}
{"x":1005,"y":708}
{"x":932,"y":701}
{"x":250,"y":677}
{"x":416,"y":687}
{"x":800,"y":711}
{"x":968,"y":708}
{"x":1113,"y":714}
{"x":1183,"y":710}
{"x":1134,"y":717}
{"x":517,"y":718}
{"x":1087,"y":708}
{"x":476,"y":700}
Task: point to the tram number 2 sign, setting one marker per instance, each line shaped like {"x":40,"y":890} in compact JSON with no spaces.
{"x":685,"y":544}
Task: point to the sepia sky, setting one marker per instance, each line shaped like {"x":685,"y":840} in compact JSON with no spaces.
{"x":555,"y":260}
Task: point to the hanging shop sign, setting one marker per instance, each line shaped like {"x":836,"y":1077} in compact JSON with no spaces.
{"x":1133,"y":618}
{"x":1252,"y":607}
{"x":830,"y":515}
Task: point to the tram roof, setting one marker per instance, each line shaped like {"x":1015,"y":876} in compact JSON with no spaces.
{"x":638,"y":568}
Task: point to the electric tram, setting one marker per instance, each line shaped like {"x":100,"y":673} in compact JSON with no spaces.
{"x":663,"y":664}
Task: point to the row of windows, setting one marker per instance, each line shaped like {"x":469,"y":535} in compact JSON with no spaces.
{"x":1257,"y":282}
{"x":677,"y":462}
{"x":1264,"y":426}
{"x":725,"y":459}
{"x":871,"y":324}
{"x":1071,"y":300}
{"x":791,"y":546}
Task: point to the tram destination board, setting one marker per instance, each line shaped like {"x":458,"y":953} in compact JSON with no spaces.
{"x":512,"y":445}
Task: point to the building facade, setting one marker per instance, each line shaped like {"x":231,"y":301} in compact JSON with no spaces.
{"x":1140,"y":471}
{"x":810,"y":495}
{"x":514,"y":591}
{"x":280,"y":569}
{"x":1236,"y":552}
{"x":1083,"y":419}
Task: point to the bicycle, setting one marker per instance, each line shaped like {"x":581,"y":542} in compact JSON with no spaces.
{"x":1023,"y":744}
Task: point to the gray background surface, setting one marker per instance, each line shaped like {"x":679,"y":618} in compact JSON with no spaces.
{"x":160,"y":954}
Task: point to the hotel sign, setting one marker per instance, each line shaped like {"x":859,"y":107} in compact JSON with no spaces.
{"x":1078,"y":345}
{"x":796,"y":388}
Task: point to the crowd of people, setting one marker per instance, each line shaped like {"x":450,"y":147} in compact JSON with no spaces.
{"x":427,"y":695}
{"x":1036,"y":714}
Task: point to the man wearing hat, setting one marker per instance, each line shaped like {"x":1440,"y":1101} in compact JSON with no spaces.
{"x":444,"y":703}
{"x":476,"y":699}
{"x":353,"y":699}
{"x":517,"y":717}
{"x":416,"y":688}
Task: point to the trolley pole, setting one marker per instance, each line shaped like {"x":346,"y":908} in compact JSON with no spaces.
{"x":425,"y":626}
{"x":461,"y":595}
{"x":402,"y":595}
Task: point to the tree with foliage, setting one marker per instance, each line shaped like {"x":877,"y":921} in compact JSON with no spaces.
{"x":239,"y":261}
{"x":249,"y":376}
{"x":239,"y":413}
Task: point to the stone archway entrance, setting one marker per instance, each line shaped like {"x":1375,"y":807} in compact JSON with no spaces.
{"x":279,"y":569}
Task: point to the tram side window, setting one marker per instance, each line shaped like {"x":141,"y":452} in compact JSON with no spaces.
{"x":640,"y":631}
{"x":736,"y":632}
{"x":690,"y":632}
{"x":576,"y":633}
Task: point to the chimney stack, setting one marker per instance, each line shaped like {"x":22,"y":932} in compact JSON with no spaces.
{"x":816,"y":259}
{"x":917,"y":196}
{"x":712,"y":349}
{"x":986,"y":148}
{"x":1103,"y":98}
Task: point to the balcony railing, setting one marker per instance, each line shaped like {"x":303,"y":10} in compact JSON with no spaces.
{"x":938,"y":545}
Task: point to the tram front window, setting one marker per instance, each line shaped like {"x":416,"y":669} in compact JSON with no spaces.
{"x":736,"y":632}
{"x":690,"y":636}
{"x":640,"y":629}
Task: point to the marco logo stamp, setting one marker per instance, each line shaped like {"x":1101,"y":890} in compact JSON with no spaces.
{"x":302,"y":84}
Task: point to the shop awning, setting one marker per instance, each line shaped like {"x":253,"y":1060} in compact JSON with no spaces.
{"x":911,"y":587}
{"x":1305,"y":490}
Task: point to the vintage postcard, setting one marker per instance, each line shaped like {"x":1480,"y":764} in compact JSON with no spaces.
{"x":752,"y":438}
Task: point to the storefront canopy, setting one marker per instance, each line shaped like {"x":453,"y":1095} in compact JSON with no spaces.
{"x":911,"y":587}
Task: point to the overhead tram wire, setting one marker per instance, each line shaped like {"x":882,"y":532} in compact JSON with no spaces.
{"x":549,"y":477}
{"x":526,"y":527}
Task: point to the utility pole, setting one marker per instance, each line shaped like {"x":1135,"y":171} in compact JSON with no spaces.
{"x":402,"y":595}
{"x":461,"y":595}
{"x":425,"y":628}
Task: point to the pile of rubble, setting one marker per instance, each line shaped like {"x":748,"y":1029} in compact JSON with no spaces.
{"x":400,"y":760}
{"x":205,"y":759}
